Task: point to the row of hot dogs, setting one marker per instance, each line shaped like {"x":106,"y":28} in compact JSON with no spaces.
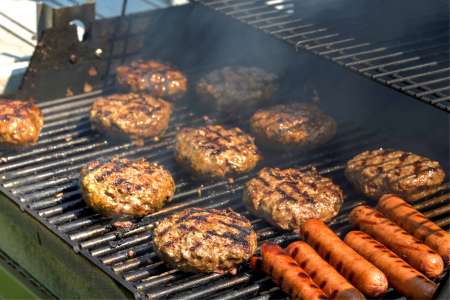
{"x":396,"y":245}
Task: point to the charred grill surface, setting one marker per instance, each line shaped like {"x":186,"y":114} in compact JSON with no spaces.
{"x":215,"y":151}
{"x":286,"y":198}
{"x":385,"y":171}
{"x":205,"y":240}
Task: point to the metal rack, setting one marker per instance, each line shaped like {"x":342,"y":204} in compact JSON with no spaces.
{"x":419,"y":68}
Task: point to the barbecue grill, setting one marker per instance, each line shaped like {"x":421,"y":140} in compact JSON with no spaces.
{"x":70,"y":251}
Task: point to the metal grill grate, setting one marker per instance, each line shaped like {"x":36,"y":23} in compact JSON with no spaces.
{"x":43,"y":181}
{"x":418,"y":67}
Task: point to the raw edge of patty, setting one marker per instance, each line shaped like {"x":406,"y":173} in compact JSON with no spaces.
{"x":205,"y":240}
{"x":292,"y":127}
{"x":130,"y":116}
{"x":126,"y":187}
{"x":287,"y":197}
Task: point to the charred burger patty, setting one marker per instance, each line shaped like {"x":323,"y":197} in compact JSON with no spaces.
{"x":154,"y":78}
{"x":286,"y":198}
{"x":213,"y":151}
{"x":130,"y":115}
{"x":384,"y":171}
{"x":205,"y":240}
{"x":20,"y":123}
{"x":292,"y":126}
{"x":126,"y":187}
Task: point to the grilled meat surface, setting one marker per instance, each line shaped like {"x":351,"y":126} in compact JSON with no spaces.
{"x":20,"y":123}
{"x":384,"y":171}
{"x":286,"y":198}
{"x":126,"y":187}
{"x":130,"y":115}
{"x":205,"y":240}
{"x":213,"y":151}
{"x":293,"y":126}
{"x":237,"y":89}
{"x":154,"y":78}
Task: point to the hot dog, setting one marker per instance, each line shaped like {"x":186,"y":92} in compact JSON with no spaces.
{"x":286,"y":273}
{"x":410,"y":219}
{"x":323,"y":274}
{"x":417,"y":254}
{"x":361,"y":273}
{"x":401,"y":275}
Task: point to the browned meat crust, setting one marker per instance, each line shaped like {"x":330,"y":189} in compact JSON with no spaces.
{"x":214,"y":151}
{"x":126,"y":187}
{"x":238,"y":89}
{"x":153,"y":77}
{"x":293,"y":126}
{"x":382,"y":171}
{"x":20,"y":123}
{"x":205,"y":240}
{"x":286,"y":198}
{"x":130,"y":115}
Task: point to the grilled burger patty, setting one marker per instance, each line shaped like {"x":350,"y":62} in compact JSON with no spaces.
{"x":292,"y":126}
{"x":154,"y":78}
{"x":384,"y":171}
{"x":130,"y":115}
{"x":286,"y":198}
{"x":20,"y":123}
{"x":205,"y":240}
{"x":126,"y":187}
{"x":214,"y":151}
{"x":238,"y":89}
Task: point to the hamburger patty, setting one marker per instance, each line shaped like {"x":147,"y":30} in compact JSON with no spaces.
{"x":154,"y":78}
{"x":238,"y":89}
{"x":130,"y":115}
{"x":205,"y":240}
{"x":214,"y":151}
{"x":382,"y":171}
{"x":20,"y":123}
{"x":286,"y":198}
{"x":292,"y":126}
{"x":126,"y":187}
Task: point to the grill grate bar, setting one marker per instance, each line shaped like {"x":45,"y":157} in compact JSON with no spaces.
{"x":421,"y":84}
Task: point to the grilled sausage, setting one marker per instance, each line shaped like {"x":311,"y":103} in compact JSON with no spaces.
{"x":401,"y":275}
{"x":329,"y":280}
{"x":416,"y":224}
{"x":417,"y":254}
{"x":361,"y":273}
{"x":285,"y":272}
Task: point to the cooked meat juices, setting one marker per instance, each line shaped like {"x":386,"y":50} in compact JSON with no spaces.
{"x":295,"y":126}
{"x":323,"y":274}
{"x":205,"y":240}
{"x":154,"y":78}
{"x":401,"y":276}
{"x":416,"y":224}
{"x":382,"y":171}
{"x":130,"y":115}
{"x":286,"y":198}
{"x":361,"y":273}
{"x":213,"y":151}
{"x":126,"y":187}
{"x":237,"y":89}
{"x":418,"y":255}
{"x":20,"y":123}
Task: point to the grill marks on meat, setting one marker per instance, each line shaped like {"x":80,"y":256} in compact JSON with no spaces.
{"x":286,"y":198}
{"x":215,"y":151}
{"x":293,"y":126}
{"x":153,"y":77}
{"x":126,"y":187}
{"x":238,"y":89}
{"x":130,"y":115}
{"x":20,"y":123}
{"x":384,"y":171}
{"x":205,"y":240}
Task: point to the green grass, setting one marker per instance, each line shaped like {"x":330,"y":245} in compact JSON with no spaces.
{"x":11,"y":288}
